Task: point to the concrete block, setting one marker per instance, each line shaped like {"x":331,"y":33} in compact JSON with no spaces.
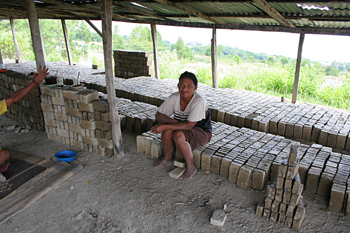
{"x":90,"y":141}
{"x":225,"y":167}
{"x":313,"y":178}
{"x":104,"y":126}
{"x":218,"y":218}
{"x":259,"y":179}
{"x":50,"y":122}
{"x":270,"y":192}
{"x":286,"y":197}
{"x":282,"y":170}
{"x":288,"y":184}
{"x":282,"y":219}
{"x":76,"y":143}
{"x":275,"y":206}
{"x":337,"y":197}
{"x":288,"y":222}
{"x":206,"y":159}
{"x":283,"y":208}
{"x":293,"y":155}
{"x":325,"y":185}
{"x":70,"y":94}
{"x":279,"y":195}
{"x":215,"y":164}
{"x":299,"y":212}
{"x":298,"y":222}
{"x":88,"y":125}
{"x":177,"y":172}
{"x":140,"y":144}
{"x":147,"y":141}
{"x":58,"y":101}
{"x":290,"y":211}
{"x":296,"y":183}
{"x":179,"y":164}
{"x":292,"y":171}
{"x":100,"y":106}
{"x":86,"y":107}
{"x":244,"y":177}
{"x":294,"y":200}
{"x":46,"y":107}
{"x":156,"y":149}
{"x":260,"y":208}
{"x":233,"y":172}
{"x":197,"y":156}
{"x":280,"y":183}
{"x":267,"y":213}
{"x":73,"y":112}
{"x":87,"y":96}
{"x":60,"y":116}
{"x":75,"y":128}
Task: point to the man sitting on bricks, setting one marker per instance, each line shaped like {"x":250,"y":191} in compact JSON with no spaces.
{"x":184,"y":120}
{"x":4,"y":107}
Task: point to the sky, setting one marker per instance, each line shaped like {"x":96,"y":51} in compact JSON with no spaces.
{"x":323,"y":48}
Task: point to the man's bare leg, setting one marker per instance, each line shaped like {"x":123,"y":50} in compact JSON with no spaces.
{"x":167,"y":145}
{"x":185,"y":149}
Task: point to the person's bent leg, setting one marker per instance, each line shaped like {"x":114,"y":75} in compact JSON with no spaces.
{"x":185,"y":149}
{"x":167,"y":145}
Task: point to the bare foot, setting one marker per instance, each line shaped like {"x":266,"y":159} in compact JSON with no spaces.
{"x":190,"y":171}
{"x":161,"y":163}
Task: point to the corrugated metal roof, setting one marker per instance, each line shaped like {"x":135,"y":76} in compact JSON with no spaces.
{"x":299,"y":16}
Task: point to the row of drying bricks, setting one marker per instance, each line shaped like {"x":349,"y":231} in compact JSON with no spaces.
{"x":249,"y":159}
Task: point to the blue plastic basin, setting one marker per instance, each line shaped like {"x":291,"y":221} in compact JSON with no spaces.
{"x":66,"y":155}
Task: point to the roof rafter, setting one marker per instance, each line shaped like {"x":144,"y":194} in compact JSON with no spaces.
{"x":273,"y":12}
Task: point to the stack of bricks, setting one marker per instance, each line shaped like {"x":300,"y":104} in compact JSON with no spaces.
{"x":283,"y":202}
{"x":70,"y":118}
{"x":129,"y":64}
{"x":28,"y":110}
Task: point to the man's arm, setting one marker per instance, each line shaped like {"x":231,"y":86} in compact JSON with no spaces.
{"x":162,"y":118}
{"x":174,"y":126}
{"x":17,"y":96}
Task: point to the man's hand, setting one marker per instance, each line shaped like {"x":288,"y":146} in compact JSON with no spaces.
{"x":38,"y":78}
{"x":158,"y":128}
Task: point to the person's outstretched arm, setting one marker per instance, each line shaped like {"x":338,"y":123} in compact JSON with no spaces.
{"x":17,"y":96}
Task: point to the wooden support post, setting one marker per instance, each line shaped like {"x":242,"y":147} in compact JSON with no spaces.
{"x":155,"y":50}
{"x":65,"y":33}
{"x":107,"y":52}
{"x":94,"y":27}
{"x":15,"y":40}
{"x":214,"y":64}
{"x":297,"y":69}
{"x":1,"y":61}
{"x":36,"y":34}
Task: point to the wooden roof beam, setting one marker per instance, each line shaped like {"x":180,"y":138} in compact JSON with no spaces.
{"x":192,"y":12}
{"x":265,"y":6}
{"x":134,"y":9}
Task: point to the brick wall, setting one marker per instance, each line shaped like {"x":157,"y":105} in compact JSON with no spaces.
{"x":28,"y":110}
{"x":129,"y":64}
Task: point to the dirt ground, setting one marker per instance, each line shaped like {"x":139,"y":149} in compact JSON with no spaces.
{"x":127,"y":194}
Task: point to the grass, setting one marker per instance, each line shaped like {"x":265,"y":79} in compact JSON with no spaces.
{"x":273,"y":79}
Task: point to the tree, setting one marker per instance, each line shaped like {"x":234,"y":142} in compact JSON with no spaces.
{"x":117,"y":40}
{"x":182,"y":51}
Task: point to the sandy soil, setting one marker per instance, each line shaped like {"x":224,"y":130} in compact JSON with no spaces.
{"x":127,"y":194}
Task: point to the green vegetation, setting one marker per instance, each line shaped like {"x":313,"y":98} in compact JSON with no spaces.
{"x":262,"y":73}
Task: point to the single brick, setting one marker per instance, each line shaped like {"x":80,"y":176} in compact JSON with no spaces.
{"x":215,"y":164}
{"x":100,"y":106}
{"x":88,"y":125}
{"x":233,"y":172}
{"x":75,"y":128}
{"x":218,"y":218}
{"x":86,"y":107}
{"x":90,"y":141}
{"x":147,"y":144}
{"x":197,"y":156}
{"x":268,"y":203}
{"x":76,"y":143}
{"x":225,"y":166}
{"x":58,"y":101}
{"x":271,"y":192}
{"x":70,"y":94}
{"x":286,"y":197}
{"x":297,"y":223}
{"x":275,"y":206}
{"x":260,"y":208}
{"x":337,"y":196}
{"x":46,"y":107}
{"x":156,"y":149}
{"x":325,"y":185}
{"x":206,"y":159}
{"x":87,"y":96}
{"x":279,"y":195}
{"x":60,"y":116}
{"x":290,"y":211}
{"x":73,"y":112}
{"x":105,"y":143}
{"x":140,"y":144}
{"x":288,"y":222}
{"x":280,"y":183}
{"x":313,"y":178}
{"x":283,"y":208}
{"x":288,"y":185}
{"x":177,"y":172}
{"x":244,"y":177}
{"x":282,"y":219}
{"x":259,"y":179}
{"x":266,"y":213}
{"x":293,"y":155}
{"x":179,"y":164}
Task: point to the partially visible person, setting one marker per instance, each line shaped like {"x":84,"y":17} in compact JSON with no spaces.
{"x":184,"y":120}
{"x":5,"y":105}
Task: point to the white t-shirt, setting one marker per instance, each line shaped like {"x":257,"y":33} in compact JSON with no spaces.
{"x":195,"y":111}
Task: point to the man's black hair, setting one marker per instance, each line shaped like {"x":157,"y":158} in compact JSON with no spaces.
{"x":189,"y":75}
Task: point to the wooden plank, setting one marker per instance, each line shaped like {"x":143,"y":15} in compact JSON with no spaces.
{"x":297,"y":69}
{"x":65,"y":33}
{"x":155,"y":50}
{"x":36,"y":34}
{"x":94,"y":27}
{"x":15,"y":40}
{"x":214,"y":65}
{"x":273,"y":12}
{"x":107,"y":52}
